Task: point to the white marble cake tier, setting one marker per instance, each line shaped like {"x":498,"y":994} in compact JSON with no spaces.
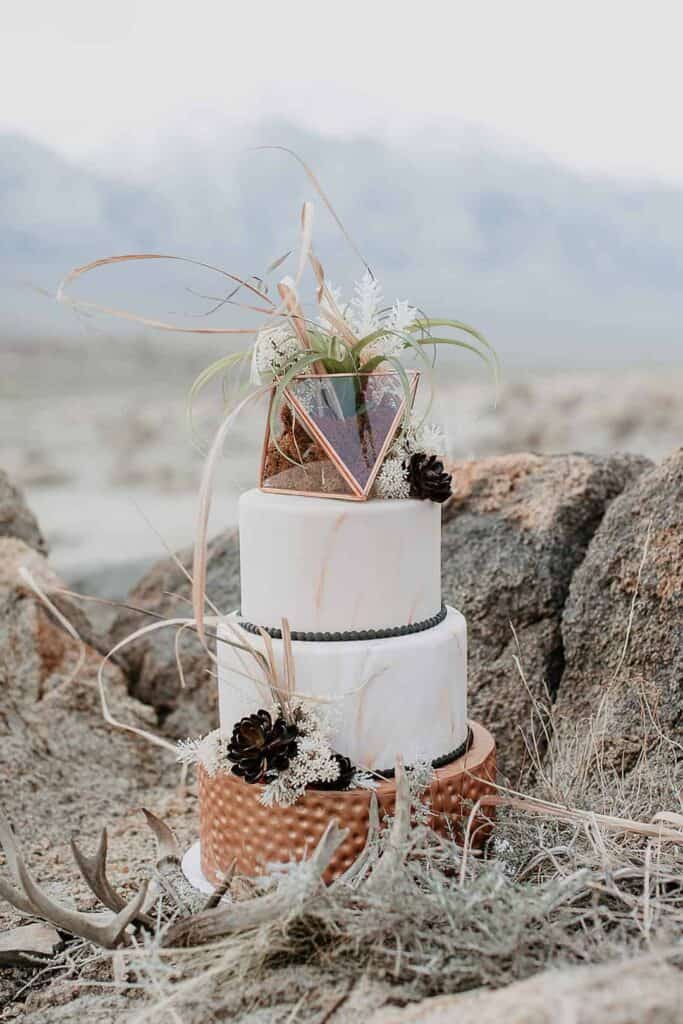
{"x":403,"y":695}
{"x":336,"y":566}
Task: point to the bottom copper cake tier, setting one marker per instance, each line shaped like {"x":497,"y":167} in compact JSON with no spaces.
{"x":234,"y":824}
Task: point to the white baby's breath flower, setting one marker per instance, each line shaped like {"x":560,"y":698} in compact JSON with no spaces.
{"x":391,"y":480}
{"x":431,"y":439}
{"x":314,"y":760}
{"x":274,"y":349}
{"x":208,"y":751}
{"x":419,"y":437}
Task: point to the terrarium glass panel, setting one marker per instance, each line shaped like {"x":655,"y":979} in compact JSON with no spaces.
{"x":333,"y":431}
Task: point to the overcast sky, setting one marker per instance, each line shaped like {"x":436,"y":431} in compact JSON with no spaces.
{"x":596,"y":85}
{"x":518,"y":164}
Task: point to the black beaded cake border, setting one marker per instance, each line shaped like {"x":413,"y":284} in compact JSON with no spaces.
{"x":443,"y":759}
{"x":353,"y":634}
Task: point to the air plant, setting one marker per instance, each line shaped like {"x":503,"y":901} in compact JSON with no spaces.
{"x":359,"y":338}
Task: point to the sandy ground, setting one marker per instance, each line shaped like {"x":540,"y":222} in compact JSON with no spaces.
{"x":96,"y":433}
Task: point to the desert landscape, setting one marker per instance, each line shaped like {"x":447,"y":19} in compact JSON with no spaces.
{"x":416,"y":759}
{"x":95,"y":431}
{"x":569,"y":569}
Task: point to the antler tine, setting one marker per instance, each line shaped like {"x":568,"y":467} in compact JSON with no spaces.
{"x":331,"y":840}
{"x":237,"y":917}
{"x":367,"y":854}
{"x":219,"y":892}
{"x":15,"y":898}
{"x":94,"y":872}
{"x":393,"y":855}
{"x":168,"y":851}
{"x":9,"y":846}
{"x":107,"y":935}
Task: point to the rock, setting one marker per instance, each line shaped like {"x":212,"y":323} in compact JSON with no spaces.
{"x":16,"y":518}
{"x":625,"y":992}
{"x":633,"y":567}
{"x":151,"y":663}
{"x":514,"y":532}
{"x":28,"y":944}
{"x":33,"y":644}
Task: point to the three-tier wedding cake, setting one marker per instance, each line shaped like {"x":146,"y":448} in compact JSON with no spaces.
{"x":343,"y":660}
{"x":343,"y":657}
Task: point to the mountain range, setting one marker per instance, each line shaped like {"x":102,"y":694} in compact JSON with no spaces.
{"x":556,"y":266}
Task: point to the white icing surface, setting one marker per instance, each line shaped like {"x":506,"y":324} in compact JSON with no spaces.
{"x":331,"y":566}
{"x":404,"y":695}
{"x":191,"y":865}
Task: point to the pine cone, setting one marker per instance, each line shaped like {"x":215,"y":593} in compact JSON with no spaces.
{"x":428,"y":478}
{"x":259,"y":745}
{"x":343,"y":781}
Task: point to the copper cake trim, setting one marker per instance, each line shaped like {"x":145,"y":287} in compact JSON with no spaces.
{"x":233,"y":824}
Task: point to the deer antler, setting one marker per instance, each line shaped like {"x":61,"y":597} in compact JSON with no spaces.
{"x":368,"y":854}
{"x":94,"y":871}
{"x":31,"y":899}
{"x":225,"y":920}
{"x":393,"y":856}
{"x":168,"y":851}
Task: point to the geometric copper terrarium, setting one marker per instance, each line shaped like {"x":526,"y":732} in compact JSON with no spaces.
{"x":332,"y":432}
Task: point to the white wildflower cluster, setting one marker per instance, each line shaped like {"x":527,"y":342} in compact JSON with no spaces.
{"x":366,"y":303}
{"x":363,"y":780}
{"x":419,"y":437}
{"x":391,"y":480}
{"x":504,"y":853}
{"x":314,"y":760}
{"x":274,"y":349}
{"x":209,"y":751}
{"x":396,"y":322}
{"x":420,"y":775}
{"x":365,"y":314}
{"x":430,"y":439}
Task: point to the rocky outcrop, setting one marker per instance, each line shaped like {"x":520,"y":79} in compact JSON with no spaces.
{"x":625,"y":992}
{"x":16,"y":518}
{"x":622,"y":627}
{"x":514,"y":533}
{"x":151,"y":662}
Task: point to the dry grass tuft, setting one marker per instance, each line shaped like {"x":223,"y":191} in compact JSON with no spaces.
{"x":550,"y":893}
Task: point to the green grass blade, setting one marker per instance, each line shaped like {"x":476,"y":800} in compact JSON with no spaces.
{"x":219,"y":366}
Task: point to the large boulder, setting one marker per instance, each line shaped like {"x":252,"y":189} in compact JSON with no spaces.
{"x":515,"y":531}
{"x":16,"y":518}
{"x":622,"y":627}
{"x":150,"y":662}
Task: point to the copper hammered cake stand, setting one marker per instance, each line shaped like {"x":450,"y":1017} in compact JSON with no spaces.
{"x":234,"y":825}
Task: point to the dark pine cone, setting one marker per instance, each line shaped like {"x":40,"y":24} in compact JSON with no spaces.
{"x":428,"y":478}
{"x":259,"y":744}
{"x":343,"y":781}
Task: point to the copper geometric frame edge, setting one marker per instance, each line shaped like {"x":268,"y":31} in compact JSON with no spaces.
{"x":359,"y":493}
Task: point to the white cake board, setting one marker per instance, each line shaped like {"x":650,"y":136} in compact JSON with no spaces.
{"x":192,"y":869}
